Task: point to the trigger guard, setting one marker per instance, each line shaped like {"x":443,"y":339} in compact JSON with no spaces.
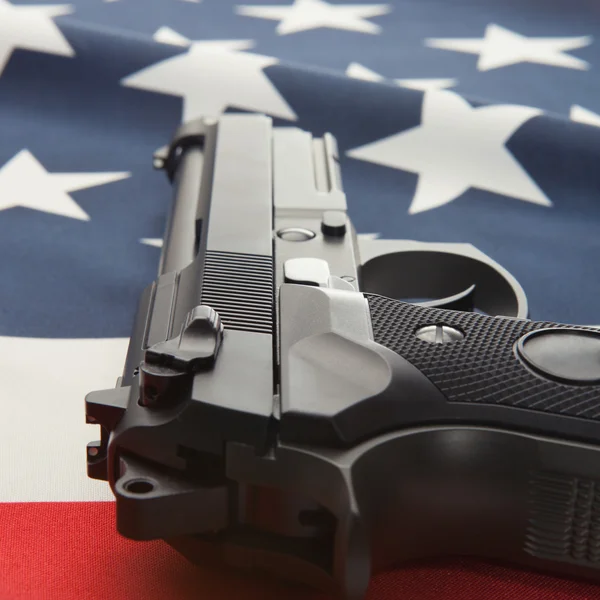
{"x":456,"y":276}
{"x":464,"y":301}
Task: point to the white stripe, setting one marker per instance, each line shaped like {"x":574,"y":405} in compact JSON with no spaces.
{"x":43,"y":434}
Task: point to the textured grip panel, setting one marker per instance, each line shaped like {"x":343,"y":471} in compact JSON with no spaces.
{"x":564,"y":521}
{"x":481,"y":368}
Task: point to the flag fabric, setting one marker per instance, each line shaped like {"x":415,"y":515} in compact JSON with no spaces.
{"x":457,"y":121}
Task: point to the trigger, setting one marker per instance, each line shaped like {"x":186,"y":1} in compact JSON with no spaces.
{"x":463,"y":301}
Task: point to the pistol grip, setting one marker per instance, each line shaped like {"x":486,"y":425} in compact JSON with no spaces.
{"x":507,"y":466}
{"x":514,"y":373}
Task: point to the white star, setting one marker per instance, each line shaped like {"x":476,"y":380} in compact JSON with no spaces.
{"x":455,"y":148}
{"x":166,"y":35}
{"x":210,"y":77}
{"x":584,"y":115}
{"x":30,"y":27}
{"x":426,"y":84}
{"x":25,"y":182}
{"x":312,"y":14}
{"x":155,"y":242}
{"x":501,"y":47}
{"x":358,"y":71}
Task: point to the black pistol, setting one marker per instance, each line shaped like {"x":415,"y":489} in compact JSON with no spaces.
{"x":303,"y":401}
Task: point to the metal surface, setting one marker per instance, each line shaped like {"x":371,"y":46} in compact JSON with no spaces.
{"x":439,"y":334}
{"x":283,"y":407}
{"x":307,"y":271}
{"x":296,"y":234}
{"x":440,"y":273}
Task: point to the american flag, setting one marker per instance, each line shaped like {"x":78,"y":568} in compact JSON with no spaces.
{"x":457,"y":121}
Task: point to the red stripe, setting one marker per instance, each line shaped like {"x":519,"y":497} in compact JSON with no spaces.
{"x":70,"y":551}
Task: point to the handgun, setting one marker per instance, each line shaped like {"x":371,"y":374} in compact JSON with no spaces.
{"x":318,"y":405}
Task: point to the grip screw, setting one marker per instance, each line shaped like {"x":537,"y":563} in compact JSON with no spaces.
{"x":439,"y":334}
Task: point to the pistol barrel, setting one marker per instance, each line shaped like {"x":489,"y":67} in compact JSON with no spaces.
{"x":179,"y":242}
{"x":192,"y":186}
